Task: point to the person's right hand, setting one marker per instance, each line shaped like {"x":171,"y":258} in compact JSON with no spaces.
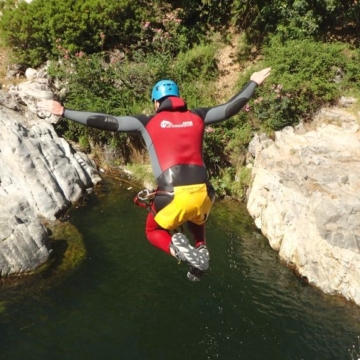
{"x":261,"y":75}
{"x":51,"y":105}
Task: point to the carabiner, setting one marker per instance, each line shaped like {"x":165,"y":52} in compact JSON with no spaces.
{"x":144,"y":195}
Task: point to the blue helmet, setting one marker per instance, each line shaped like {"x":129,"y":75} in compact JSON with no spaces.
{"x":164,"y":88}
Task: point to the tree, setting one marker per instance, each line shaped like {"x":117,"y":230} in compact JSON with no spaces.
{"x":45,"y":28}
{"x":318,"y":19}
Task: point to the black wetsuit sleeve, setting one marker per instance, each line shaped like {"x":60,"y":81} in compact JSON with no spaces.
{"x":104,"y":121}
{"x":230,"y":108}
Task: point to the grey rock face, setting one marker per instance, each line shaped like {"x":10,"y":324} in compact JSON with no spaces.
{"x":40,"y":177}
{"x":304,"y":198}
{"x":23,"y":245}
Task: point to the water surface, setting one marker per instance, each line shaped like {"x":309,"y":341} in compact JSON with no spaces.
{"x":128,"y":300}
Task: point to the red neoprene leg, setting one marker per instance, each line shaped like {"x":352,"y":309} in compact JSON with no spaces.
{"x":157,"y":236}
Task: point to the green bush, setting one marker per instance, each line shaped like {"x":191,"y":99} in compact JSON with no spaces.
{"x":232,"y":182}
{"x":46,"y":29}
{"x":42,"y":29}
{"x":93,"y":84}
{"x":196,"y":63}
{"x":305,"y":76}
{"x":195,"y":71}
{"x":226,"y":142}
{"x":300,"y":19}
{"x":114,"y":85}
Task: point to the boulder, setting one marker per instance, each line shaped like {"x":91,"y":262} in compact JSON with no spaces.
{"x":41,"y":175}
{"x":304,"y":198}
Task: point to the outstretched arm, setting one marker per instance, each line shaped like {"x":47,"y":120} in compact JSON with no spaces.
{"x":96,"y":120}
{"x":237,"y":102}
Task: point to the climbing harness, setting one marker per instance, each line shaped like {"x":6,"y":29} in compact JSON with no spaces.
{"x":145,"y":198}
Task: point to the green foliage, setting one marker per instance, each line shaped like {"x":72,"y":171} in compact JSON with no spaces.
{"x":239,"y":138}
{"x":224,"y":152}
{"x":194,"y":70}
{"x":46,"y":29}
{"x":84,"y":143}
{"x":142,"y":173}
{"x":17,"y":24}
{"x":113,"y":84}
{"x":111,"y":54}
{"x":163,"y":31}
{"x":214,"y":156}
{"x":299,"y":19}
{"x":216,"y":12}
{"x":90,"y":25}
{"x":224,"y":143}
{"x":43,"y":29}
{"x":305,"y":77}
{"x":232,"y":183}
{"x":198,"y":62}
{"x":101,"y":84}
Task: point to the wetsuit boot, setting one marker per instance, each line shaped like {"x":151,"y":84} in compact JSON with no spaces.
{"x":195,"y":274}
{"x":182,"y":250}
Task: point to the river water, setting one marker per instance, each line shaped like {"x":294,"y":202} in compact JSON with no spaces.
{"x":128,"y":300}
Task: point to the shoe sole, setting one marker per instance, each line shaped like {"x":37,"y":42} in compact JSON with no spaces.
{"x":191,"y":254}
{"x":203,"y":250}
{"x":192,"y":277}
{"x":195,"y":274}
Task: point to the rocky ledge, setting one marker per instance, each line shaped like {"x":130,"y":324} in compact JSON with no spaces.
{"x":41,"y":175}
{"x":305,"y":199}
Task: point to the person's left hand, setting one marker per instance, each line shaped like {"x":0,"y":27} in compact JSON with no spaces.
{"x":261,"y":75}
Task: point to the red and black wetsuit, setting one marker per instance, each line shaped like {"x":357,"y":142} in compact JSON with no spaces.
{"x":174,"y":140}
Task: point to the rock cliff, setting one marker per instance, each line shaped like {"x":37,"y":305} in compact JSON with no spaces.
{"x":40,"y":176}
{"x":304,"y":198}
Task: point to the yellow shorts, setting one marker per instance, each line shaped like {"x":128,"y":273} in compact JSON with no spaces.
{"x":190,"y":203}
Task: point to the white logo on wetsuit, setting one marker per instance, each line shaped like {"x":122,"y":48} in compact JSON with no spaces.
{"x":167,"y":124}
{"x":110,"y":120}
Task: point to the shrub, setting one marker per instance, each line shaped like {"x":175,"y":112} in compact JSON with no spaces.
{"x":107,"y":83}
{"x":232,"y":182}
{"x":300,"y":19}
{"x":92,"y":84}
{"x":42,"y":29}
{"x":195,"y":71}
{"x":304,"y":78}
{"x":196,"y":63}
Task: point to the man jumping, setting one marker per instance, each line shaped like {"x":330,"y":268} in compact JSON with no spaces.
{"x":174,"y":139}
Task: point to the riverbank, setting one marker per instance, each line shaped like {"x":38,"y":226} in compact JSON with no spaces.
{"x":123,"y":297}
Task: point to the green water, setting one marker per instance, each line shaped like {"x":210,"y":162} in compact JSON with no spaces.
{"x":130,"y":301}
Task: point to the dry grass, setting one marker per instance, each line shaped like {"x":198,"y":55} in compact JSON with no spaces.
{"x":5,"y":61}
{"x":229,"y":68}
